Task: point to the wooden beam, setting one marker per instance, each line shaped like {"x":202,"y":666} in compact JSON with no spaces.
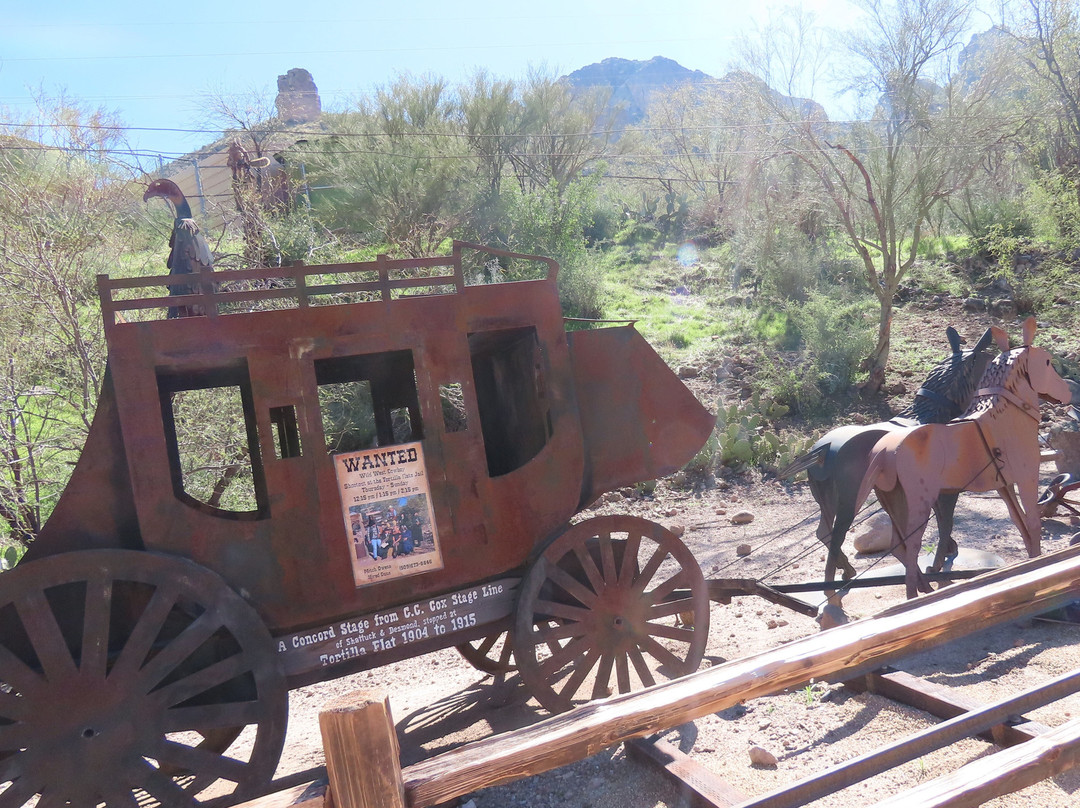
{"x":1000,"y":596}
{"x":363,"y":762}
{"x":1003,"y":773}
{"x":305,"y":795}
{"x":704,"y":787}
{"x":942,"y":702}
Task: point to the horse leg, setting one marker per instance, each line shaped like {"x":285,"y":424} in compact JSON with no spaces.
{"x":909,"y":524}
{"x":1023,"y":508}
{"x":831,"y":530}
{"x":947,"y":550}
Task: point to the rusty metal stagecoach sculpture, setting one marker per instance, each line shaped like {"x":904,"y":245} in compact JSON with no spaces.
{"x":404,"y":458}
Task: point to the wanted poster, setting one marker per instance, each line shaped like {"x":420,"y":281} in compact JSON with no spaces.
{"x":389,"y":521}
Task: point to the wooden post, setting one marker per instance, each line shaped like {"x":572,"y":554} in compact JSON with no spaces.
{"x":363,"y":762}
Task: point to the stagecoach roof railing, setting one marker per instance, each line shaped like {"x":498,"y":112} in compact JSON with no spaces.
{"x":293,"y":283}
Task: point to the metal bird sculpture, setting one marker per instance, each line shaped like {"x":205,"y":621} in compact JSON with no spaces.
{"x":189,"y":251}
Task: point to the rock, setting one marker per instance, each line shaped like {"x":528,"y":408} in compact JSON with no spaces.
{"x":298,"y":98}
{"x":677,"y":530}
{"x":687,"y":372}
{"x":830,"y":615}
{"x":875,"y":536}
{"x":897,"y":388}
{"x":743,"y":550}
{"x":974,"y":304}
{"x":1003,"y":308}
{"x":1065,"y":438}
{"x":742,"y":518}
{"x":760,"y":756}
{"x":611,"y":497}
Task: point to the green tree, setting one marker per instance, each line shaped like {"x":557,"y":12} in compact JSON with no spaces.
{"x":69,"y":213}
{"x":402,"y":176}
{"x":923,"y":142}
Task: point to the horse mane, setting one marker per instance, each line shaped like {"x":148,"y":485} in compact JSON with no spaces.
{"x":947,"y":389}
{"x":1002,"y":372}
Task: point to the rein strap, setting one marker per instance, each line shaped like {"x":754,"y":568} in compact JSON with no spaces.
{"x":1009,"y":395}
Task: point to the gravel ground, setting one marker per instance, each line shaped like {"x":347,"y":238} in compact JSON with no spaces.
{"x":440,"y":702}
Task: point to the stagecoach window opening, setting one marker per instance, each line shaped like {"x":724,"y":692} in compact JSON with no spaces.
{"x":508,"y":374}
{"x":368,"y":400}
{"x":212,"y":441}
{"x":452,"y":401}
{"x":286,"y":432}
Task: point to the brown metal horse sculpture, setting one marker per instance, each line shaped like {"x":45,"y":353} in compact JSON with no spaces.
{"x":837,"y":463}
{"x":994,"y":445}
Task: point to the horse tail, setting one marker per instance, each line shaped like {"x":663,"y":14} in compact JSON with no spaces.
{"x":815,"y":457}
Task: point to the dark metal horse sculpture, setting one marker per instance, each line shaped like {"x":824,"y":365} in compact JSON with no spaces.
{"x":836,"y":464}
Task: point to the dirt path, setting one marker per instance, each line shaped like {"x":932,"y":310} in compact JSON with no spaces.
{"x":439,"y":701}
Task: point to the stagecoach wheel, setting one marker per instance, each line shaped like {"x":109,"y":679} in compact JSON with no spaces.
{"x":492,"y":654}
{"x":611,"y":603}
{"x":124,"y":679}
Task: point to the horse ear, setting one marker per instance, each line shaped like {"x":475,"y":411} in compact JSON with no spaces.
{"x":1000,"y":337}
{"x":984,"y":340}
{"x":1029,"y":330}
{"x":954,"y":339}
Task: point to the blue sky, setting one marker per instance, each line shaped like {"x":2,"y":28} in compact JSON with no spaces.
{"x":153,"y":62}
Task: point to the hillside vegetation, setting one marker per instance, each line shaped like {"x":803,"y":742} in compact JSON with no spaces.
{"x":797,"y":271}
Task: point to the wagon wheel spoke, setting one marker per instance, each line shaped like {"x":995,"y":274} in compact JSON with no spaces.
{"x":206,"y":762}
{"x":670,"y":607}
{"x":49,"y":644}
{"x":662,"y":654}
{"x":116,"y":796}
{"x":622,"y":673}
{"x":563,"y":610}
{"x":95,"y":637}
{"x":683,"y":635}
{"x":210,"y":716}
{"x":607,"y":559}
{"x":571,"y":653}
{"x":142,"y":637}
{"x":158,"y":785}
{"x":649,"y":570}
{"x":581,"y":670}
{"x":585,"y":596}
{"x":642,"y":667}
{"x":622,"y":631}
{"x":603,"y":676}
{"x":18,"y":675}
{"x":660,"y":593}
{"x":19,"y":793}
{"x":162,"y":623}
{"x":588,"y":565}
{"x":192,"y":685}
{"x":178,"y":649}
{"x":630,"y":554}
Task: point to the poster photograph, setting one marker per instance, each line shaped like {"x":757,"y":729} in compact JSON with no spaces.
{"x":389,"y":521}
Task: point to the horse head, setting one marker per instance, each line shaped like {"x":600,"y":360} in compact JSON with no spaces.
{"x":952,"y":382}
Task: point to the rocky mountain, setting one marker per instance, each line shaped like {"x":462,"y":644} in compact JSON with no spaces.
{"x":632,"y":82}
